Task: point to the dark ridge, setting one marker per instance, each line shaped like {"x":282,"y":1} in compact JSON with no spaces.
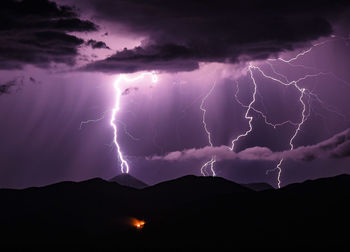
{"x":200,"y":185}
{"x":320,"y":186}
{"x":188,"y":212}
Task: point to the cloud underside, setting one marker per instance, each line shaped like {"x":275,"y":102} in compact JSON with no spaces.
{"x":180,"y":34}
{"x":183,"y":33}
{"x":337,"y":146}
{"x":36,"y":32}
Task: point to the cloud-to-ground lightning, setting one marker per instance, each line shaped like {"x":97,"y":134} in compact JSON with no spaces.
{"x":303,"y":115}
{"x":306,"y":97}
{"x":283,"y":80}
{"x":212,"y":161}
{"x":291,"y":144}
{"x":113,"y":122}
{"x":303,"y":92}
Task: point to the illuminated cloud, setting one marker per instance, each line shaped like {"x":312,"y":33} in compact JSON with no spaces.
{"x":337,"y":146}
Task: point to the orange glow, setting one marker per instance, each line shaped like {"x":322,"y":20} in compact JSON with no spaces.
{"x":138,"y":224}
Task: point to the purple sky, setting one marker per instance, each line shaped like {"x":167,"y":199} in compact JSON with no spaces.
{"x":58,"y":70}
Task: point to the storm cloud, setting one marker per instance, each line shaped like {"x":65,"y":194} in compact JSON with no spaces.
{"x":170,"y":58}
{"x":36,"y":32}
{"x":180,"y":34}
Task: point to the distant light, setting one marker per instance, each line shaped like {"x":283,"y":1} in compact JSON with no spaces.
{"x":138,"y":224}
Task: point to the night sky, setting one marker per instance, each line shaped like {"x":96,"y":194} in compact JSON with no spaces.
{"x":281,"y":67}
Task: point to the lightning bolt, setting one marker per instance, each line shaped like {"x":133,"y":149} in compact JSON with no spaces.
{"x":92,"y":120}
{"x":291,"y":144}
{"x":249,"y":108}
{"x":307,"y":51}
{"x":82,"y":123}
{"x":113,"y":122}
{"x":212,"y":161}
{"x":127,"y":132}
{"x":303,"y":92}
{"x":303,"y":52}
{"x":303,"y":115}
{"x":262,"y":114}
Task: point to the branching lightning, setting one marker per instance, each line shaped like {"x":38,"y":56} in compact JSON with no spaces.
{"x":82,"y":123}
{"x":249,"y":108}
{"x":283,"y":80}
{"x":306,"y":97}
{"x":113,"y":122}
{"x":303,"y":115}
{"x":303,"y":119}
{"x":92,"y":120}
{"x":303,"y":52}
{"x":262,"y":114}
{"x":212,"y":161}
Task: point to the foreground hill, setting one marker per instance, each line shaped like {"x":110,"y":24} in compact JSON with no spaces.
{"x":186,"y":212}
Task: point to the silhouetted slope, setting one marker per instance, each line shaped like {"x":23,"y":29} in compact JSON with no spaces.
{"x":320,"y":186}
{"x":189,"y":191}
{"x":186,"y":212}
{"x":193,"y":186}
{"x":128,"y":180}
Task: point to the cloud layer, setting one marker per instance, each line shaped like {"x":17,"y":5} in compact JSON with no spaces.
{"x":337,"y":146}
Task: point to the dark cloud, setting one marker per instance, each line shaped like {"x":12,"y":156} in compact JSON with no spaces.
{"x":35,"y":32}
{"x":169,"y":57}
{"x":97,"y":44}
{"x":337,"y":146}
{"x":183,"y":33}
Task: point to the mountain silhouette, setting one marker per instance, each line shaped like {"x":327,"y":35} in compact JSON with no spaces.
{"x":187,"y":212}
